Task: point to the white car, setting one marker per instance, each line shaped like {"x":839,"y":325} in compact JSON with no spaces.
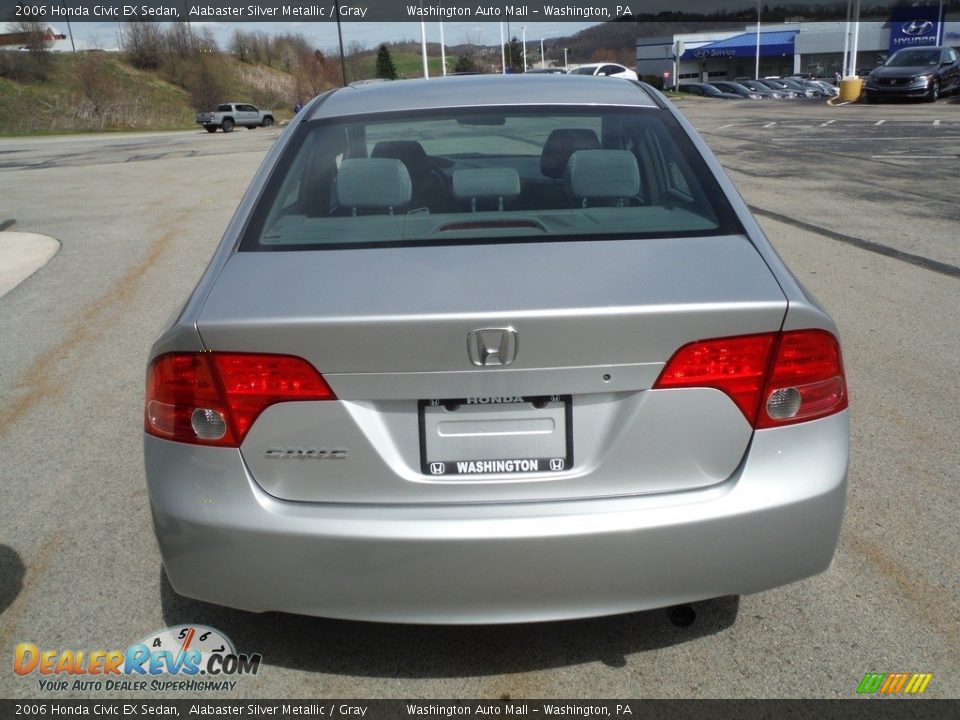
{"x":607,"y":69}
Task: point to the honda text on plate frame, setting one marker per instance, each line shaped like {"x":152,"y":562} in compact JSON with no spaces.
{"x":493,"y":349}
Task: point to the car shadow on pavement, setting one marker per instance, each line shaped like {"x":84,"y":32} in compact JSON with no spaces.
{"x":365,"y":649}
{"x":11,"y":576}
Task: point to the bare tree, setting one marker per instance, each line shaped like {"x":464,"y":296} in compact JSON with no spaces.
{"x":207,"y":86}
{"x":359,"y":67}
{"x":143,"y":43}
{"x":35,"y":36}
{"x":31,"y":66}
{"x":240,"y":46}
{"x":99,"y":87}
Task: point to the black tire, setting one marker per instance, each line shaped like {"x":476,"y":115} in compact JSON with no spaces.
{"x":227,"y":125}
{"x":871,"y":100}
{"x":934,"y":92}
{"x":210,"y":128}
{"x":267,"y":121}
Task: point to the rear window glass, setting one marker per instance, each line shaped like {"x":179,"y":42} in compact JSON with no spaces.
{"x":491,"y":176}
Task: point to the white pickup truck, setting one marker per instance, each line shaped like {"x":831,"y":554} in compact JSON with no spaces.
{"x":231,"y":115}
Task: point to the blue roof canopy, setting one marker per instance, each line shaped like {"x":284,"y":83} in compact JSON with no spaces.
{"x":775,"y":43}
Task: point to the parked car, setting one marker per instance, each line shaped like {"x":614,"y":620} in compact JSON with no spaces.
{"x":231,"y":115}
{"x":707,"y":90}
{"x":760,"y":89}
{"x":916,"y":72}
{"x":776,"y":85}
{"x":493,"y":349}
{"x":812,"y":87}
{"x":605,"y":69}
{"x":800,"y":88}
{"x":737,"y":89}
{"x":828,"y":89}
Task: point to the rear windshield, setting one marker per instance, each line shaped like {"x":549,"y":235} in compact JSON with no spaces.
{"x":519,"y":175}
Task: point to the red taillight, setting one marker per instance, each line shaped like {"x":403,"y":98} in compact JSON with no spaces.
{"x":213,"y":398}
{"x":804,"y":381}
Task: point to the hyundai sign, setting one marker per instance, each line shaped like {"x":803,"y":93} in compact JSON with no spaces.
{"x":912,"y":26}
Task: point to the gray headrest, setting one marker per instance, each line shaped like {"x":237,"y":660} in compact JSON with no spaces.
{"x":602,"y":174}
{"x":486,"y":183}
{"x":373,"y":183}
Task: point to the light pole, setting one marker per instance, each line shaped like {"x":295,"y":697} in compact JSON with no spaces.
{"x":756,"y":75}
{"x":856,"y":38}
{"x":343,"y":62}
{"x":523,"y":30}
{"x":503,"y":53}
{"x":543,"y":63}
{"x":423,"y":47}
{"x":566,"y":66}
{"x":443,"y":52}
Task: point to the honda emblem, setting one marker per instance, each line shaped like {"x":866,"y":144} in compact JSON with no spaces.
{"x":492,"y":347}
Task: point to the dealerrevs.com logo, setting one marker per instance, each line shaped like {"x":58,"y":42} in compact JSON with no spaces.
{"x":181,"y":658}
{"x":894,"y":683}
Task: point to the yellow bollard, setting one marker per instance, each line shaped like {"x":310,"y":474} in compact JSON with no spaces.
{"x":850,"y":88}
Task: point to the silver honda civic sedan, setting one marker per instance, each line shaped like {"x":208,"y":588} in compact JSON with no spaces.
{"x":493,"y":349}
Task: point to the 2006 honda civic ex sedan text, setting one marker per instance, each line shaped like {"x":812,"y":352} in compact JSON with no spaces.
{"x":493,"y":349}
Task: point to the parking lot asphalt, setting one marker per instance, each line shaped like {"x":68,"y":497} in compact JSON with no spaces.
{"x":865,"y":219}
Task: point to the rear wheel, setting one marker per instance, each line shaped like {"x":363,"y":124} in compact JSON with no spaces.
{"x":210,"y":128}
{"x":934,"y":92}
{"x":267,"y":121}
{"x":227,"y":125}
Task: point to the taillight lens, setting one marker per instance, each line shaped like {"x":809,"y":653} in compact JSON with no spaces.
{"x":806,"y":379}
{"x":213,"y":398}
{"x":774,"y":378}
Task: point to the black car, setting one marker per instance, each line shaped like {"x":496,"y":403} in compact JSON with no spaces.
{"x":916,"y":72}
{"x":763,"y":91}
{"x":737,"y":89}
{"x":779,"y":86}
{"x":705,"y":90}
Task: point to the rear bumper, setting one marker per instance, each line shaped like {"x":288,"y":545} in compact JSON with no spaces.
{"x":225,"y":541}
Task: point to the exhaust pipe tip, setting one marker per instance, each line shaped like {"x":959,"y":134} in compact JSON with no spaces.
{"x":682,"y":615}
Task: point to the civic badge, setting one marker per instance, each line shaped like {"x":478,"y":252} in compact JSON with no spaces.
{"x":492,"y":347}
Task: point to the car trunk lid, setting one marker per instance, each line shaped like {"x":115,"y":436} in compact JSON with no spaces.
{"x":588,"y":327}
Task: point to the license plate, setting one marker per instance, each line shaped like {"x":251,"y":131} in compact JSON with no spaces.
{"x":496,"y":435}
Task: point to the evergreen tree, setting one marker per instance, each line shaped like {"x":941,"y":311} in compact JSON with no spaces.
{"x":385,"y":67}
{"x":465,"y":65}
{"x":514,"y":55}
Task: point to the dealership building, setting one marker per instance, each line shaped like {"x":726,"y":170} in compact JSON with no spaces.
{"x":788,"y":48}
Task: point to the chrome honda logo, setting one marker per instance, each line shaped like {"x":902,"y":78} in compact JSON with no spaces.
{"x":492,"y":347}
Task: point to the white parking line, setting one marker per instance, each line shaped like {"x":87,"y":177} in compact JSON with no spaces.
{"x":828,"y":122}
{"x":936,"y":122}
{"x":770,"y":124}
{"x":915,"y":157}
{"x":879,"y":122}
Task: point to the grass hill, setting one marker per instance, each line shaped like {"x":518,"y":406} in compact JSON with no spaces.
{"x":96,"y":91}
